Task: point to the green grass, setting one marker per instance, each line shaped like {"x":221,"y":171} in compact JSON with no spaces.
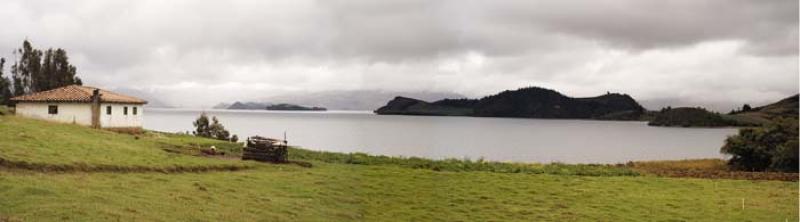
{"x":462,"y":165}
{"x":340,"y":192}
{"x":4,"y":110}
{"x":345,"y":187}
{"x":41,"y":142}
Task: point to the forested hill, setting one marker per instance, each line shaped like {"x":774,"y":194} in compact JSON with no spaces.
{"x":531,"y":102}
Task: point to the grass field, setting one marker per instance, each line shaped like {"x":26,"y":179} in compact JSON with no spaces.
{"x":39,"y":142}
{"x":344,"y":187}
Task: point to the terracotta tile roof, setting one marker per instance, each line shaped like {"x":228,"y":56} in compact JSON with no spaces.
{"x":76,"y":93}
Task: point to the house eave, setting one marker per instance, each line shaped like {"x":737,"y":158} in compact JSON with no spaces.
{"x":63,"y":101}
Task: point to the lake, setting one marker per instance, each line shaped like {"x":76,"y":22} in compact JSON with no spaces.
{"x":500,"y":139}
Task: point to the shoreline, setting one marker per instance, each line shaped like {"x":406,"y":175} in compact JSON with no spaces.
{"x":686,"y":168}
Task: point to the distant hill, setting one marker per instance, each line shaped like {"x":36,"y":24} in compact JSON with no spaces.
{"x":247,"y":105}
{"x":221,"y":106}
{"x":785,"y":108}
{"x":267,"y":106}
{"x":531,"y":102}
{"x":342,"y":99}
{"x":293,"y":107}
{"x":699,"y":117}
{"x":408,"y":106}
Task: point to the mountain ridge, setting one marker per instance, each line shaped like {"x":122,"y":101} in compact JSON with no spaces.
{"x":341,"y":99}
{"x":528,"y":102}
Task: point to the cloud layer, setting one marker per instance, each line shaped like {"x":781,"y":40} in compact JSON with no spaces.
{"x":199,"y":53}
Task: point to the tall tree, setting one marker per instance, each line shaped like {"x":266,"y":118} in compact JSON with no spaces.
{"x":67,"y":72}
{"x":44,"y":79}
{"x":57,"y":71}
{"x":5,"y":84}
{"x":39,"y":71}
{"x":26,"y":69}
{"x":201,"y":126}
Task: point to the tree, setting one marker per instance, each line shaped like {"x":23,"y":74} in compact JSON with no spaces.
{"x":26,"y":69}
{"x":37,"y":71}
{"x":201,"y":126}
{"x":5,"y":85}
{"x":212,"y":129}
{"x":746,"y":108}
{"x":217,"y":130}
{"x":56,"y":71}
{"x":772,"y":147}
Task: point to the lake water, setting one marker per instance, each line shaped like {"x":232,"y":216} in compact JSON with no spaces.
{"x":500,"y":139}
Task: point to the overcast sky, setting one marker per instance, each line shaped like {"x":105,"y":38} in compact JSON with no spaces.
{"x":198,"y":53}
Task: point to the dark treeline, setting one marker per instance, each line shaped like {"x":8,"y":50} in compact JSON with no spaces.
{"x":692,"y":117}
{"x":36,"y":70}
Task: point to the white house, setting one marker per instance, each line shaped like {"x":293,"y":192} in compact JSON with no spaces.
{"x":82,"y":105}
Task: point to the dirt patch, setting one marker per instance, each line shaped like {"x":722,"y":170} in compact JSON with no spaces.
{"x":198,"y":151}
{"x":736,"y":175}
{"x":704,"y":168}
{"x":126,"y":130}
{"x":186,"y":150}
{"x":8,"y":219}
{"x":99,"y":168}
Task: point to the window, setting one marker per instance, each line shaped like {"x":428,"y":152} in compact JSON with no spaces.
{"x":108,"y":110}
{"x":52,"y":109}
{"x":125,"y":110}
{"x":134,"y":110}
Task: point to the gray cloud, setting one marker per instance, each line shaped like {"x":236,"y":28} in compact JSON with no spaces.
{"x":654,"y":24}
{"x":247,"y":49}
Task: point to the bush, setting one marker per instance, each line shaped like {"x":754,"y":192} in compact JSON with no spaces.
{"x":213,"y":129}
{"x":234,"y":138}
{"x":773,"y":147}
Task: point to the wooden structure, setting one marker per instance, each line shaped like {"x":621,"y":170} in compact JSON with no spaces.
{"x":265,"y":149}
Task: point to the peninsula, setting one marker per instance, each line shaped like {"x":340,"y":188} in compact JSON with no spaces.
{"x":530,"y":102}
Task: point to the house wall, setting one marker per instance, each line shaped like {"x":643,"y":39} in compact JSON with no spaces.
{"x":118,"y":118}
{"x":78,"y":113}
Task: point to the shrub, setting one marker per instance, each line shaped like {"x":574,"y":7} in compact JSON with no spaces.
{"x":234,"y":138}
{"x":213,"y":129}
{"x":773,"y":147}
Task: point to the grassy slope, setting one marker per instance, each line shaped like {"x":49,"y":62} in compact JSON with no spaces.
{"x":463,"y":165}
{"x":786,"y":108}
{"x":341,"y":192}
{"x":35,"y":141}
